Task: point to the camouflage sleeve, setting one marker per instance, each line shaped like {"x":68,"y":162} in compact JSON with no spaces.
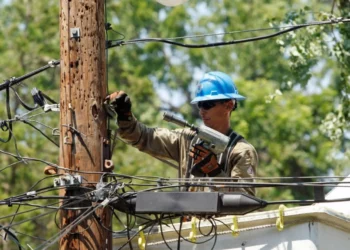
{"x":159,"y":142}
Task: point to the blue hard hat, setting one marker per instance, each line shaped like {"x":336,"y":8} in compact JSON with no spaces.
{"x":216,"y":86}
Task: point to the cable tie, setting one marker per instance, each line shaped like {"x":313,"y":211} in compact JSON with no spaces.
{"x":193,"y":233}
{"x":280,"y":219}
{"x":105,"y":202}
{"x":234,"y":226}
{"x":142,"y":239}
{"x":31,"y":193}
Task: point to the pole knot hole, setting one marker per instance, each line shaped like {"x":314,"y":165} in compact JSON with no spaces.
{"x":94,"y":110}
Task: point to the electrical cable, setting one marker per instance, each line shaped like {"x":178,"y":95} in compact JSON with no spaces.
{"x":179,"y":233}
{"x":215,"y":234}
{"x":161,"y":230}
{"x":47,"y":177}
{"x":10,"y":165}
{"x":8,"y":111}
{"x":128,"y":232}
{"x":217,"y":44}
{"x":33,"y":237}
{"x":12,"y":236}
{"x":98,"y":219}
{"x":14,"y":80}
{"x":213,"y":228}
{"x":29,"y":219}
{"x":37,"y":207}
{"x":69,"y":227}
{"x":22,"y":102}
{"x":26,"y":122}
{"x":16,"y":147}
{"x":130,"y":238}
{"x":12,"y":219}
{"x":107,"y":27}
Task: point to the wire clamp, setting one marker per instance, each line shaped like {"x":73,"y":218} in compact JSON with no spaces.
{"x":142,"y":240}
{"x":234,"y":226}
{"x":67,"y":140}
{"x":56,"y":132}
{"x":280,"y":219}
{"x":52,"y":107}
{"x":68,"y":180}
{"x":53,"y":63}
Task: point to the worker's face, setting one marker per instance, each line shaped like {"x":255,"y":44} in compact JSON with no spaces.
{"x":214,"y":113}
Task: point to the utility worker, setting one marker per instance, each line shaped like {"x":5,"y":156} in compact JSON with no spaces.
{"x":216,"y":97}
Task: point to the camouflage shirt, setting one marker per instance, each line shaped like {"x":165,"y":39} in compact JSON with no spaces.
{"x":237,"y":162}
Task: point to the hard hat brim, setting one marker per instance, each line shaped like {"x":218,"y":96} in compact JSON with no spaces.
{"x":218,"y":97}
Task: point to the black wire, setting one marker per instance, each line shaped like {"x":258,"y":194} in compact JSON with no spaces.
{"x":223,"y":223}
{"x":211,"y":229}
{"x":98,"y":219}
{"x":37,"y":207}
{"x":22,"y":102}
{"x":120,"y":221}
{"x":66,"y":206}
{"x":48,"y":98}
{"x":155,"y":179}
{"x":12,"y":219}
{"x":8,"y":110}
{"x":13,"y":236}
{"x":18,"y":156}
{"x":215,"y":233}
{"x":42,"y":179}
{"x":70,"y":227}
{"x":161,"y":230}
{"x":17,"y":80}
{"x":193,"y":46}
{"x":306,"y":202}
{"x":29,"y":219}
{"x":31,"y":236}
{"x":33,"y":126}
{"x":107,"y":56}
{"x":179,"y":233}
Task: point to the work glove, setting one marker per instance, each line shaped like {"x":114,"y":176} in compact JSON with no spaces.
{"x":204,"y":162}
{"x":121,"y":103}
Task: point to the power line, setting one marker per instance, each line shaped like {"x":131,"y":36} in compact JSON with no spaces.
{"x":217,"y":44}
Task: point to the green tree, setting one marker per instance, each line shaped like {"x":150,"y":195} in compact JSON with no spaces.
{"x":29,"y":38}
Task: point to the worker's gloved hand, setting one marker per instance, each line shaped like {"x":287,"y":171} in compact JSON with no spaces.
{"x":121,"y":103}
{"x":204,"y":162}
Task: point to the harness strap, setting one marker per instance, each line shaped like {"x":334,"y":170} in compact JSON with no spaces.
{"x":234,"y":138}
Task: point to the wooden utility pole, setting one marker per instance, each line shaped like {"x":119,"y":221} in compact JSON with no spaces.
{"x":83,"y":131}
